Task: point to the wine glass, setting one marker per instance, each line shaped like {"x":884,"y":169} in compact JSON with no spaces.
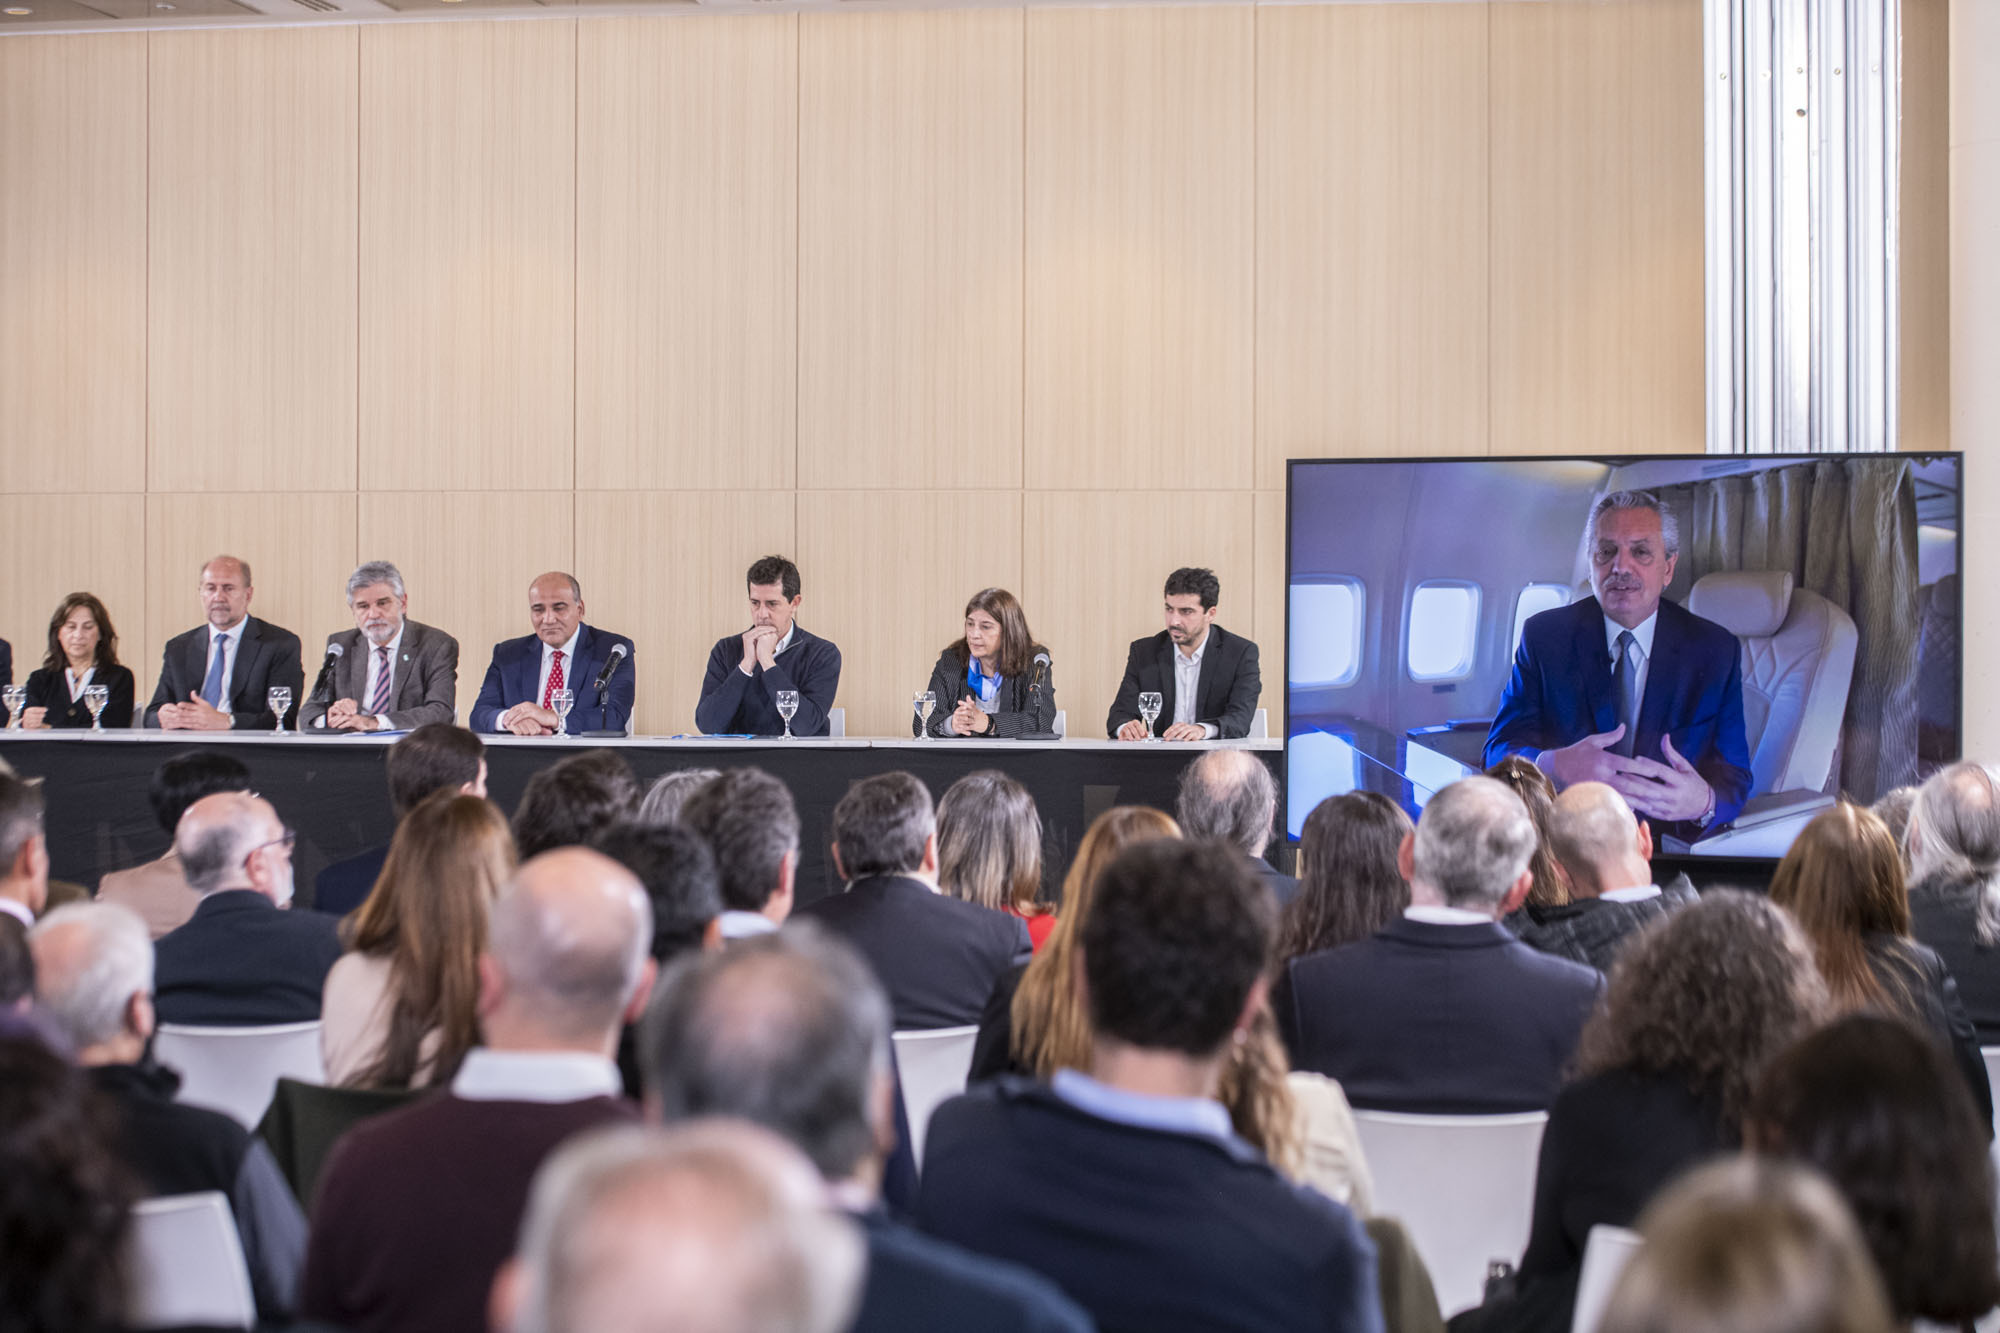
{"x":13,"y":697}
{"x":94,"y":698}
{"x":924,"y":701}
{"x":279,"y":697}
{"x":1149,"y":708}
{"x":562,"y":701}
{"x":788,"y":705}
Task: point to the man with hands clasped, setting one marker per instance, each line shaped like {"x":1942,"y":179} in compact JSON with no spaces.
{"x":391,"y":673}
{"x":518,"y":694}
{"x":746,"y":672}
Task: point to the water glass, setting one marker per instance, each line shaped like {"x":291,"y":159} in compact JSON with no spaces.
{"x":13,"y":697}
{"x":562,"y":701}
{"x":924,"y":701}
{"x":1150,"y":703}
{"x":279,"y":697}
{"x":788,"y":706}
{"x":95,"y":697}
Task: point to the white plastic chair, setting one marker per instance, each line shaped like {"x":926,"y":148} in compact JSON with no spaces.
{"x":1605,"y":1255}
{"x":932,"y":1065}
{"x":1463,"y":1185}
{"x":1260,"y":725}
{"x":1992,"y":1054}
{"x":1061,"y":727}
{"x":836,"y":722}
{"x":235,"y":1070}
{"x":187,"y":1265}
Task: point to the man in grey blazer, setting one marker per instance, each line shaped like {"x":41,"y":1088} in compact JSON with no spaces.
{"x":392,"y":673}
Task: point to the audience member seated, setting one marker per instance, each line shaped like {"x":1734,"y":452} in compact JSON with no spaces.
{"x":1443,"y":1011}
{"x":24,"y":850}
{"x":986,"y":683}
{"x":418,"y":1207}
{"x":435,"y":756}
{"x":1699,"y":1005}
{"x":1875,"y":1105}
{"x":401,"y":1007}
{"x":1843,"y":881}
{"x":669,"y":792}
{"x":1953,"y":855}
{"x":158,"y":890}
{"x":573,"y":800}
{"x":17,"y":967}
{"x":1605,"y":852}
{"x":677,"y":872}
{"x":1349,"y":886}
{"x":95,"y":966}
{"x":1521,"y":777}
{"x":83,"y":651}
{"x":1749,"y":1246}
{"x":1893,"y":809}
{"x":713,"y":1228}
{"x":936,"y":956}
{"x":790,"y":1032}
{"x":1127,"y":1185}
{"x":990,"y":849}
{"x":747,"y":818}
{"x":241,"y":960}
{"x":1228,"y":796}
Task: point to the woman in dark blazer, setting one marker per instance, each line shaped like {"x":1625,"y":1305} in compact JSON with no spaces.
{"x":83,"y":650}
{"x":995,"y":680}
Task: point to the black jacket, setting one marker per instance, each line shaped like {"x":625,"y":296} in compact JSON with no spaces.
{"x":1591,"y":931}
{"x":266,"y":656}
{"x":50,"y":689}
{"x":346,"y":884}
{"x":240,"y":962}
{"x":1944,"y":914}
{"x":937,"y":957}
{"x":1226,"y":691}
{"x":1908,"y":970}
{"x":1022,"y":711}
{"x":915,"y":1282}
{"x":735,"y":704}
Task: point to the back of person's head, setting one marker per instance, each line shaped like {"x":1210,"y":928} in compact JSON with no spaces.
{"x":788,"y":1030}
{"x":91,"y":959}
{"x":1893,"y":807}
{"x":1878,"y":1107}
{"x":1349,"y":884}
{"x":1473,"y":843}
{"x":17,"y":964}
{"x":1843,"y":881}
{"x":669,"y":792}
{"x":1179,"y":933}
{"x":1594,"y":834}
{"x":569,"y":939}
{"x":1521,"y":777}
{"x":573,"y":800}
{"x":677,"y":871}
{"x":1748,"y":1246}
{"x":1954,"y":836}
{"x":881,"y":826}
{"x":990,"y":842}
{"x":1707,"y":996}
{"x":432,"y":758}
{"x":710,"y":1227}
{"x":751,"y":825}
{"x":189,"y":776}
{"x":21,"y":821}
{"x":218,"y":834}
{"x":1228,"y":796}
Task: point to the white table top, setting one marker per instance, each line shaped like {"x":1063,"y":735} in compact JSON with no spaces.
{"x":77,"y":735}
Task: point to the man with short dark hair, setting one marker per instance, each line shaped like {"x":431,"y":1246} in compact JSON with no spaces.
{"x":435,"y":756}
{"x":751,"y":826}
{"x":739,"y":692}
{"x":1605,"y":852}
{"x":1229,"y":796}
{"x":677,"y":871}
{"x":393,"y":673}
{"x":563,"y":653}
{"x":1207,"y":678}
{"x":573,"y":800}
{"x":1127,"y":1185}
{"x":158,"y":890}
{"x":219,"y":677}
{"x":937,"y":957}
{"x":24,"y":850}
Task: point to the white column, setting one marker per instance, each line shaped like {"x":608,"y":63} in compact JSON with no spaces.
{"x":1975,"y":348}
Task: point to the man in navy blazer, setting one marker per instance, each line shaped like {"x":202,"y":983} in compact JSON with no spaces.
{"x":739,"y":691}
{"x":1629,"y":690}
{"x":562,"y":653}
{"x":218,"y":677}
{"x":1192,"y":649}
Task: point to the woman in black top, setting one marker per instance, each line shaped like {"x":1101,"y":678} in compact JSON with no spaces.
{"x":83,"y":650}
{"x":995,"y":680}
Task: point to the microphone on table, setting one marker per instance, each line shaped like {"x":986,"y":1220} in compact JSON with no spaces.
{"x":604,"y":675}
{"x":322,"y":688}
{"x":1037,"y":679}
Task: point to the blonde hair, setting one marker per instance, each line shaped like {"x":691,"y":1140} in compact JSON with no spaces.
{"x":989,"y":838}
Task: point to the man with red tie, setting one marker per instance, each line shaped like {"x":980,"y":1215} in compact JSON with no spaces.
{"x":392,"y":673}
{"x":519,"y":693}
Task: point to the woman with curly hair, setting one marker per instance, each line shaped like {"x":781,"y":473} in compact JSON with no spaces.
{"x":1349,"y":886}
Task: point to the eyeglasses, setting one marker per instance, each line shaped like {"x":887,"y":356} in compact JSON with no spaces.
{"x":284,"y":840}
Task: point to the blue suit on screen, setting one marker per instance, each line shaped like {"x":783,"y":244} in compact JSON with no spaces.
{"x":515,"y":676}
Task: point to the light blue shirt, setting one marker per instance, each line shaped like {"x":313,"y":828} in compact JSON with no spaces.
{"x":1197,"y":1116}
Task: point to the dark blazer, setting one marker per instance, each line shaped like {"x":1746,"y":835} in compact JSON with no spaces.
{"x":240,"y":961}
{"x":267,"y":656}
{"x":1226,"y":691}
{"x":1437,"y":1019}
{"x":344,"y":885}
{"x":1944,"y":914}
{"x":423,"y":688}
{"x":1905,"y":967}
{"x":1591,"y":931}
{"x":515,"y":676}
{"x":915,"y":1282}
{"x":1149,"y":1230}
{"x":733,"y":704}
{"x":1562,"y":691}
{"x":937,"y":957}
{"x":1283,"y":887}
{"x":6,"y":663}
{"x":1018,"y":713}
{"x":50,"y":689}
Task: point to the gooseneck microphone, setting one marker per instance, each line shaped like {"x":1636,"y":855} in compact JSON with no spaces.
{"x":322,"y":689}
{"x":610,"y":669}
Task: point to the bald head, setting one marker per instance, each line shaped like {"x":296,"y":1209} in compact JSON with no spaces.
{"x":1599,"y":842}
{"x":234,"y":840}
{"x":91,"y":959}
{"x":555,"y":607}
{"x":568,"y":944}
{"x":1228,"y":796}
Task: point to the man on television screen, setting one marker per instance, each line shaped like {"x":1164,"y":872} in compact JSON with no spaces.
{"x":1629,"y":690}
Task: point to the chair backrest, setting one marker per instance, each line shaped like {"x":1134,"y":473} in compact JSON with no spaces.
{"x":933,"y":1065}
{"x":1464,"y":1185}
{"x":1260,"y":725}
{"x":836,"y":721}
{"x":1061,"y":727}
{"x":1798,"y":661}
{"x":1992,"y":1054}
{"x":306,"y":1119}
{"x":1604,"y":1258}
{"x":235,"y":1069}
{"x":187,"y":1265}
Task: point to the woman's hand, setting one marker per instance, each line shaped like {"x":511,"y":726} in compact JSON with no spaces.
{"x":964,"y":718}
{"x":34,"y":719}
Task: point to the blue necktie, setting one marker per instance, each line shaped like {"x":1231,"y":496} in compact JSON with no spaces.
{"x":1628,"y":694}
{"x":211,"y":689}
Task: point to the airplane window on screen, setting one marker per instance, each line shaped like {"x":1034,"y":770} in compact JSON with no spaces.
{"x":1326,"y":632}
{"x":1444,"y":628}
{"x":1535,"y":599}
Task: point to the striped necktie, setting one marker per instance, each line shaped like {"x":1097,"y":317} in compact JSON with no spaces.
{"x":378,"y":699}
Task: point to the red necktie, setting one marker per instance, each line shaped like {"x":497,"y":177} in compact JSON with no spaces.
{"x":555,"y":680}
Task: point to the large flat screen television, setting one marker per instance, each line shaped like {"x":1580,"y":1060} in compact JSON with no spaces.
{"x":1798,"y":644}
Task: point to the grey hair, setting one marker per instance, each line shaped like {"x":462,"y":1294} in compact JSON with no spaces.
{"x":1473,"y":842}
{"x":669,"y":792}
{"x":21,"y":817}
{"x":88,"y":1004}
{"x":1670,"y":527}
{"x":372,"y":573}
{"x":209,"y":855}
{"x":881,"y":825}
{"x":1954,"y":834}
{"x":579,"y":978}
{"x":1228,"y":796}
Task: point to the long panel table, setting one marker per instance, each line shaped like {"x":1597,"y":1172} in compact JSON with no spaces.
{"x":331,"y":789}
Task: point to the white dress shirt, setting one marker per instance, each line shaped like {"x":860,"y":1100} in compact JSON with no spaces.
{"x":1642,"y":640}
{"x":232,"y":640}
{"x":735,"y":925}
{"x":488,"y":1075}
{"x":568,"y":651}
{"x":1187,"y":684}
{"x":1633,"y":895}
{"x":1445,"y":916}
{"x":19,"y":911}
{"x":76,"y":682}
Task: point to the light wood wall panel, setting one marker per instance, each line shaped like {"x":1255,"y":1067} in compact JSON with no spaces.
{"x":45,"y":562}
{"x":1093,"y":568}
{"x":1371,"y":232}
{"x":1269,"y":588}
{"x":686,"y":250}
{"x":468,"y":255}
{"x":886,"y":576}
{"x":1924,"y":404}
{"x":910,"y":264}
{"x":665,"y":569}
{"x":467,"y":560}
{"x":73,"y":263}
{"x":251,"y":219}
{"x":1140,"y":247}
{"x":1597,"y":228}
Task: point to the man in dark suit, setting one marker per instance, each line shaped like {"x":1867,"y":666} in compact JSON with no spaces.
{"x":6,"y":663}
{"x":789,"y":1031}
{"x":562,"y":653}
{"x":241,"y":960}
{"x":1629,"y":690}
{"x":1229,"y":796}
{"x":937,"y":957}
{"x":739,"y":691}
{"x":751,"y":826}
{"x":1443,"y":1011}
{"x":218,"y":677}
{"x":434,"y":756}
{"x":1605,"y":853}
{"x":392,"y":674}
{"x":1191,"y":651}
